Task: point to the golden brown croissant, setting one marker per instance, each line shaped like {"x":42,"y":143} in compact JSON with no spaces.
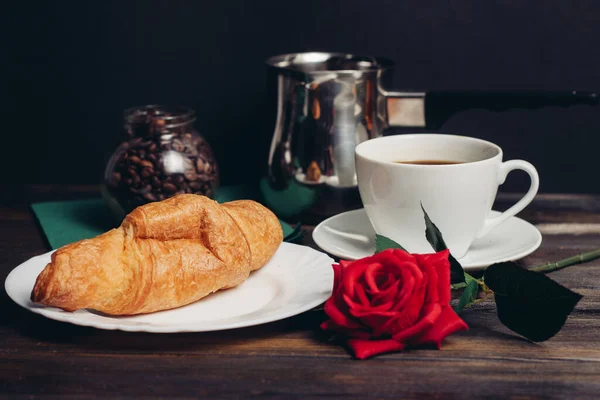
{"x":164,"y":255}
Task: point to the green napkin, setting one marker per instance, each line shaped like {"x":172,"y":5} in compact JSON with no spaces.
{"x":65,"y":222}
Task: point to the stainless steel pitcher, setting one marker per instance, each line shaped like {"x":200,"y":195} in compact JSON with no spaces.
{"x":327,"y":103}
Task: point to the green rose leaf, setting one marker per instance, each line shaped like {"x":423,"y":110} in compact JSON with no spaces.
{"x":433,"y":234}
{"x":529,"y":303}
{"x":457,"y":273}
{"x":383,"y":243}
{"x":469,"y":295}
{"x":436,"y":240}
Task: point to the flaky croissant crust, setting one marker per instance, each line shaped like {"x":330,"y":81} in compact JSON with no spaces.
{"x":164,"y":255}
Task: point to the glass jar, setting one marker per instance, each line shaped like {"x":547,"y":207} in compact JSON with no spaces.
{"x":161,"y":156}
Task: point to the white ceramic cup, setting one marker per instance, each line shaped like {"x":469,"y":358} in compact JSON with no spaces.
{"x":457,"y":197}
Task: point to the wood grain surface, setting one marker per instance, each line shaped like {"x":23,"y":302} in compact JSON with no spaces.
{"x":292,"y":358}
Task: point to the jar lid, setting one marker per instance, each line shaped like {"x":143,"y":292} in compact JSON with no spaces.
{"x":164,"y":116}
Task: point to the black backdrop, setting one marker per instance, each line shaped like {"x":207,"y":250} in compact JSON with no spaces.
{"x":71,"y":67}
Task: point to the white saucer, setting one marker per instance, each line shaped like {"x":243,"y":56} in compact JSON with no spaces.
{"x":350,"y":236}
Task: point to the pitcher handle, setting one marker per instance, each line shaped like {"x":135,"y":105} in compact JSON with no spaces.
{"x":431,"y":110}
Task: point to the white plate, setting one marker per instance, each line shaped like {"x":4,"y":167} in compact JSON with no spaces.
{"x":350,"y":236}
{"x":295,"y":280}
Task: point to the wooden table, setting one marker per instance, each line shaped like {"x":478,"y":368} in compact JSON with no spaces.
{"x":292,"y":358}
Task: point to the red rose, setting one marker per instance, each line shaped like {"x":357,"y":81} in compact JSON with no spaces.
{"x":391,"y":300}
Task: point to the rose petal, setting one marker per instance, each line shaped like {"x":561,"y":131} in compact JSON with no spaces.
{"x":434,"y":258}
{"x":374,"y":321}
{"x":402,"y":255}
{"x":381,"y":277}
{"x":361,"y":296}
{"x":447,"y":323}
{"x":352,"y":275}
{"x":442,"y":266}
{"x":439,"y":261}
{"x":388,"y":295}
{"x":408,"y":316}
{"x":432,"y":293}
{"x":388,"y":280}
{"x":337,"y":275}
{"x":338,"y":288}
{"x":383,"y":257}
{"x":429,"y":315}
{"x":355,"y":271}
{"x":340,"y":317}
{"x":370,"y":277}
{"x":354,"y":307}
{"x":412,"y":280}
{"x":372,"y":311}
{"x":369,"y":348}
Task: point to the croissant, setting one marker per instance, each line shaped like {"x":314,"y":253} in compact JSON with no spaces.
{"x":164,"y":255}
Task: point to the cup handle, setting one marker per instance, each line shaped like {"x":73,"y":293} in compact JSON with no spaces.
{"x":504,"y":170}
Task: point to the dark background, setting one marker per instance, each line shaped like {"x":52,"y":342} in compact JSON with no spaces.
{"x":73,"y":66}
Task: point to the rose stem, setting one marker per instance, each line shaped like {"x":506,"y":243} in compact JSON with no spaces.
{"x":554,"y":266}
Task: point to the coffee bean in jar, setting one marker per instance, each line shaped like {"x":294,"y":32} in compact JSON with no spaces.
{"x":161,"y":156}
